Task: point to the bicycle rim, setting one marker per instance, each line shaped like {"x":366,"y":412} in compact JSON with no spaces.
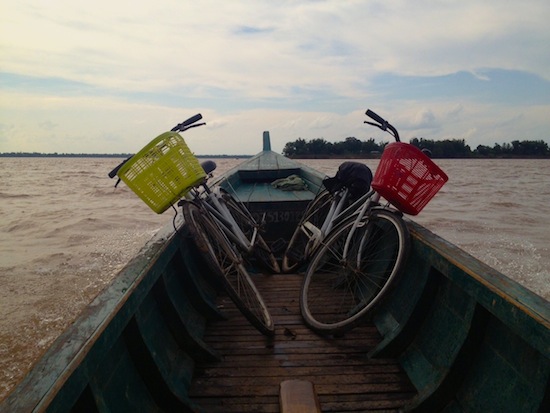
{"x":261,"y":250}
{"x":228,"y":266}
{"x":337,"y":291}
{"x":301,"y":245}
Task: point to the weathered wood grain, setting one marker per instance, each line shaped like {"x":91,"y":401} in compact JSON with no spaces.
{"x":248,"y":377}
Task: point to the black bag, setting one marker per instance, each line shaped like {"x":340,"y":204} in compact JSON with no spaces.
{"x":354,"y":175}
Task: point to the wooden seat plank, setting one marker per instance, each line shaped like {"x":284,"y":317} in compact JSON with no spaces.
{"x":298,"y":396}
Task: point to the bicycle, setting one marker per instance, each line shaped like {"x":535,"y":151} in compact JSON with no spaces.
{"x":360,"y":248}
{"x":326,"y":210}
{"x":165,"y":172}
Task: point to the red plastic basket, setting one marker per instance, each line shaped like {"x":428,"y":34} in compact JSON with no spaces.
{"x":407,"y":178}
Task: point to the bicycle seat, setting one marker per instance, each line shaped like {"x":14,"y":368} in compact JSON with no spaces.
{"x":208,"y":166}
{"x":354,"y":175}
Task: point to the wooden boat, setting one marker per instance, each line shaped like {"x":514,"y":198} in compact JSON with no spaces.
{"x":455,"y":335}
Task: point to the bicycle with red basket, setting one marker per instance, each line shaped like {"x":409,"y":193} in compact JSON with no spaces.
{"x":353,"y":235}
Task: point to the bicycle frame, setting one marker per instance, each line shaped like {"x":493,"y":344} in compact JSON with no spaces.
{"x":335,"y":210}
{"x":336,"y":214}
{"x":373,"y":198}
{"x":316,"y":235}
{"x":210,"y":203}
{"x":359,"y":207}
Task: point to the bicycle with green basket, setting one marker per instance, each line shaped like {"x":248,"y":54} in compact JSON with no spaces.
{"x":356,"y":244}
{"x":165,"y":172}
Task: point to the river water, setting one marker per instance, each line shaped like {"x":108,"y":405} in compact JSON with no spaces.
{"x":65,"y":232}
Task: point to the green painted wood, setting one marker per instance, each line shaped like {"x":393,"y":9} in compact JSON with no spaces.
{"x":250,"y":181}
{"x":400,"y":317}
{"x":266,"y":141}
{"x":120,"y":376}
{"x":526,"y":313}
{"x":164,"y":366}
{"x":64,"y":374}
{"x":86,"y":402}
{"x":507,"y":375}
{"x":264,"y":167}
{"x":439,"y":362}
{"x":170,"y":359}
{"x":465,"y":332}
{"x":264,"y":192}
{"x":185,"y":323}
{"x":438,"y":340}
{"x":196,"y":280}
{"x":268,"y":161}
{"x":80,"y":351}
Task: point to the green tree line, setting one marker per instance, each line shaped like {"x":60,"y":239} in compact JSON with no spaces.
{"x":447,"y":148}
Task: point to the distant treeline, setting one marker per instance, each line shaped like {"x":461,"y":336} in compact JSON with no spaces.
{"x":448,"y":148}
{"x":62,"y":155}
{"x":94,"y":155}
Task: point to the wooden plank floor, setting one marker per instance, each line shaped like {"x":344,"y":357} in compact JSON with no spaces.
{"x":248,"y":377}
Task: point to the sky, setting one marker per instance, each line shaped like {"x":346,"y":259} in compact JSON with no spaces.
{"x":109,"y":76}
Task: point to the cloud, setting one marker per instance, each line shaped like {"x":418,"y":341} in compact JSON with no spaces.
{"x":242,"y":48}
{"x":496,"y":86}
{"x":425,"y":119}
{"x":48,"y":125}
{"x":249,"y":30}
{"x":307,"y":64}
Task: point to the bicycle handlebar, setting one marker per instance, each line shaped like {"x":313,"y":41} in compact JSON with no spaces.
{"x":376,"y":117}
{"x":186,"y":124}
{"x":113,"y":173}
{"x":382,"y":124}
{"x":180,"y":127}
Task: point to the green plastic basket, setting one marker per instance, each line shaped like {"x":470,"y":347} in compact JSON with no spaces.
{"x":162,"y":172}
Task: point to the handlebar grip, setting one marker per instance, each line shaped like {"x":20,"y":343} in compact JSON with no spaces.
{"x":192,"y":119}
{"x":382,"y":124}
{"x":113,"y":173}
{"x":376,"y":117}
{"x":185,"y":124}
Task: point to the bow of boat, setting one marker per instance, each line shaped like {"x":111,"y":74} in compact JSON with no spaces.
{"x":454,"y":335}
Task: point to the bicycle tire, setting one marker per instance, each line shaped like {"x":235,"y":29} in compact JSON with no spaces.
{"x":337,"y":293}
{"x":245,"y":221}
{"x":299,"y":248}
{"x":227,"y":265}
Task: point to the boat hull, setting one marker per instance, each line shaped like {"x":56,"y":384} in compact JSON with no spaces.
{"x":462,"y":336}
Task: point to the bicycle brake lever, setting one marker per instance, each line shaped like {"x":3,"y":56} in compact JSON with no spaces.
{"x":383,"y":126}
{"x":191,"y":126}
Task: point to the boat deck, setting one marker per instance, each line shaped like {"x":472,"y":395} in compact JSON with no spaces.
{"x":253,"y":366}
{"x":265,"y":192}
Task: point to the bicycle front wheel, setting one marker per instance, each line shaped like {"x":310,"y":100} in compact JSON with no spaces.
{"x":341,"y":286}
{"x":246,"y":222}
{"x":305,"y":239}
{"x":228,"y":266}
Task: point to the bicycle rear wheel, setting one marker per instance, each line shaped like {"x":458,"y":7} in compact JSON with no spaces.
{"x":339,"y":291}
{"x":228,"y":266}
{"x":246,"y":222}
{"x":302,"y":244}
